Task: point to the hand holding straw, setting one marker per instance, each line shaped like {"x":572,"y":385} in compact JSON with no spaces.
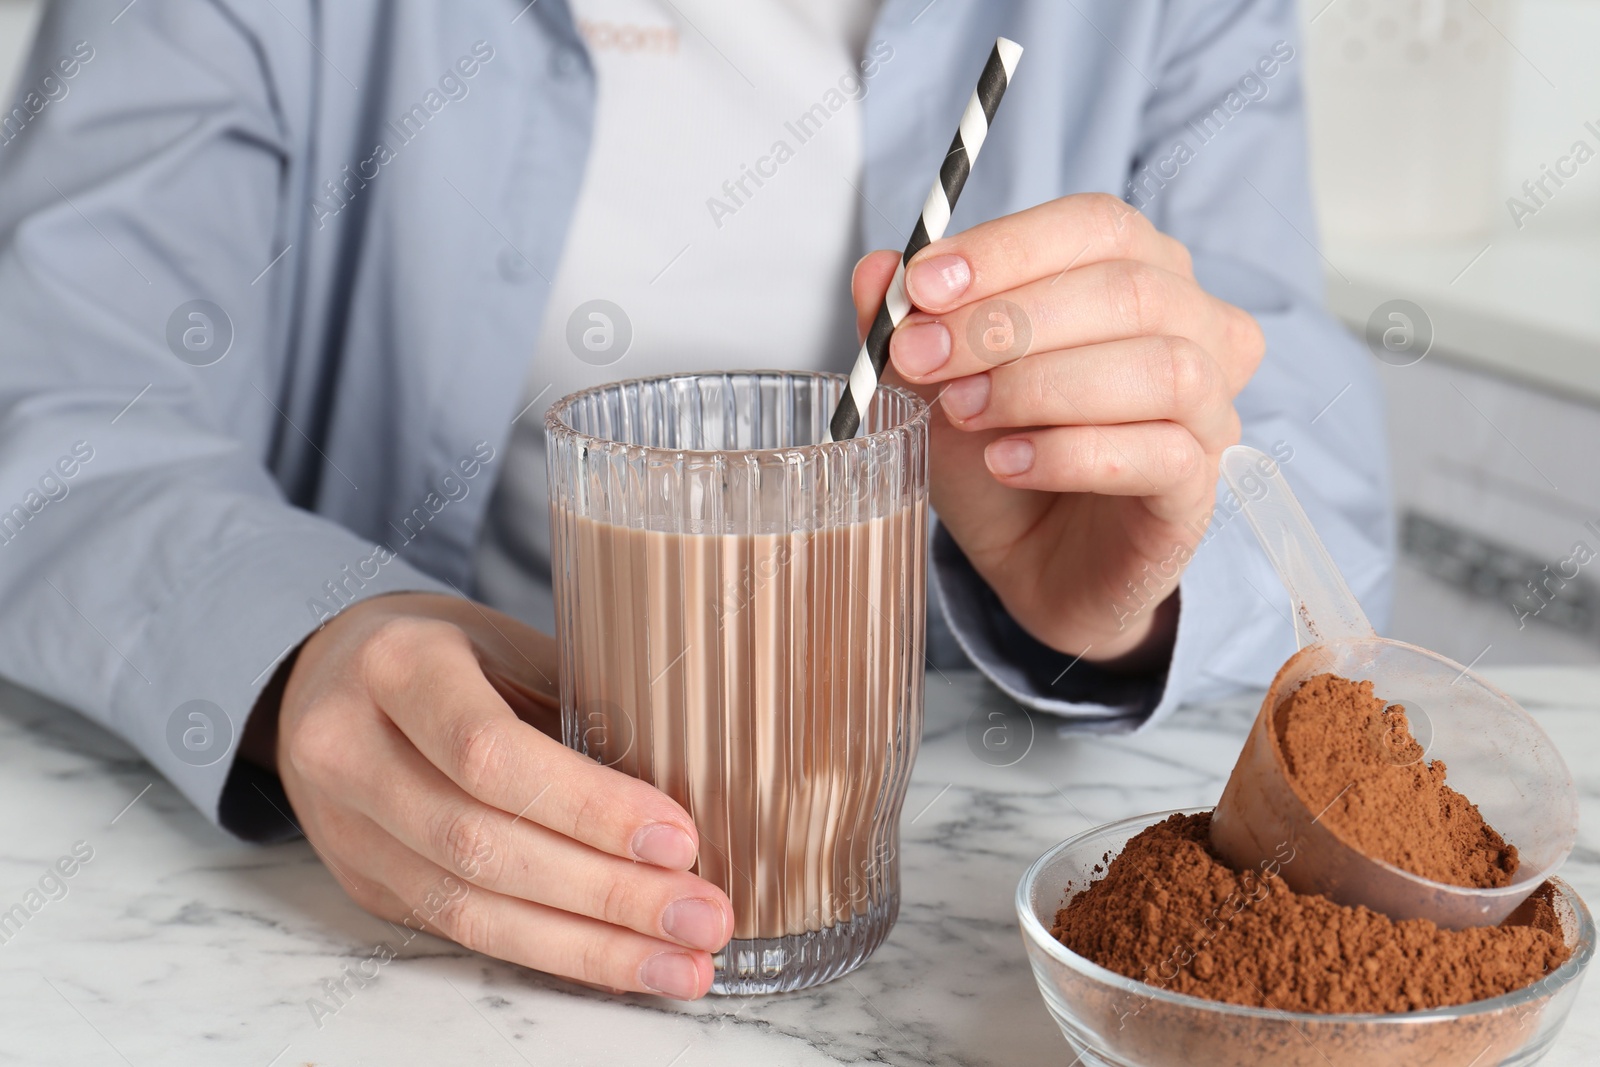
{"x":874,"y":354}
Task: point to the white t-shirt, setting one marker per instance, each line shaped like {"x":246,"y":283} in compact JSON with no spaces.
{"x":716,"y":223}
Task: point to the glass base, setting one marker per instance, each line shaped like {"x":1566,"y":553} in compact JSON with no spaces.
{"x":784,"y":964}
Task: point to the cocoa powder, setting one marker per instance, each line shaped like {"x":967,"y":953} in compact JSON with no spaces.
{"x":1171,"y":914}
{"x":1353,"y":758}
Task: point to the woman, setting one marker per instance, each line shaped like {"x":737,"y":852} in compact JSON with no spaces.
{"x":287,"y":287}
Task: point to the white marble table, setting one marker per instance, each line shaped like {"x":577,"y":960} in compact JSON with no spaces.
{"x":175,"y":945}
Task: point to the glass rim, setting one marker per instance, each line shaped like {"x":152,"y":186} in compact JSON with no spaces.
{"x":1036,"y":933}
{"x":556,"y":424}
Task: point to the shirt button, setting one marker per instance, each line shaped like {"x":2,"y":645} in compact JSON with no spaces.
{"x":566,"y":62}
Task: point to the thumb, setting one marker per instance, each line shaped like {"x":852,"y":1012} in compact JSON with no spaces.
{"x":868,"y":282}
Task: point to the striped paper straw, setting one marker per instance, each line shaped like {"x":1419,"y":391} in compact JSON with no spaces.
{"x":874,"y":354}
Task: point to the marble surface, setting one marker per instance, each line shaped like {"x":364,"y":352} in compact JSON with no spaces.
{"x":175,"y":945}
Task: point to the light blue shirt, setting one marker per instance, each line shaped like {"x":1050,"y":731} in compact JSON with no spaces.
{"x":168,"y":529}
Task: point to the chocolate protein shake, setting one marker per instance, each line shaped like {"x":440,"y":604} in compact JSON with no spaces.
{"x":759,"y":681}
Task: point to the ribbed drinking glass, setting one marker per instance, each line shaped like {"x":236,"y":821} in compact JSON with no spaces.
{"x":740,"y":605}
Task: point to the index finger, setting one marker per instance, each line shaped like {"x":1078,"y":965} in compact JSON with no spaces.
{"x":426,"y":678}
{"x":1041,"y":242}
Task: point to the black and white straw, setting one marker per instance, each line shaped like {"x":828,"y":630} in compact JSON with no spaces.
{"x":874,"y":354}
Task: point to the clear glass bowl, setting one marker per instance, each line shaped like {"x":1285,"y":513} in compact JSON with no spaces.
{"x":1118,"y":1022}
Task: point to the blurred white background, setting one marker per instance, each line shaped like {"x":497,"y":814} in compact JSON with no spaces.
{"x":1428,"y":116}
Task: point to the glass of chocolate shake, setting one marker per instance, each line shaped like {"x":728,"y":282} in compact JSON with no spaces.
{"x":740,"y":605}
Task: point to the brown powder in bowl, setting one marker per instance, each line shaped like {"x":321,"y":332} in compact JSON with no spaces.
{"x":1171,"y":914}
{"x":1353,"y":758}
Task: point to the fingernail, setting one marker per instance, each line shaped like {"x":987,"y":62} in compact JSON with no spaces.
{"x":672,"y":974}
{"x":920,"y":348}
{"x":966,"y":397}
{"x":665,"y":846}
{"x":696,"y":922}
{"x":1009,"y":457}
{"x":937,"y":281}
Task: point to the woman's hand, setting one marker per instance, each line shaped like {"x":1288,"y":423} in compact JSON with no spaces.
{"x":403,"y":748}
{"x":1086,"y":385}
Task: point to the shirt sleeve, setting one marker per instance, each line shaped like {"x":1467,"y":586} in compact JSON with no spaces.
{"x":151,"y":568}
{"x":1221,"y":166}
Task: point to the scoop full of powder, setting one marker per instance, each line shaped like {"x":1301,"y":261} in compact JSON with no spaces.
{"x":1169,"y":913}
{"x":1353,"y":758}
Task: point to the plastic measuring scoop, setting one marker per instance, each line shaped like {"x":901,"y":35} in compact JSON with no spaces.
{"x":1495,"y":753}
